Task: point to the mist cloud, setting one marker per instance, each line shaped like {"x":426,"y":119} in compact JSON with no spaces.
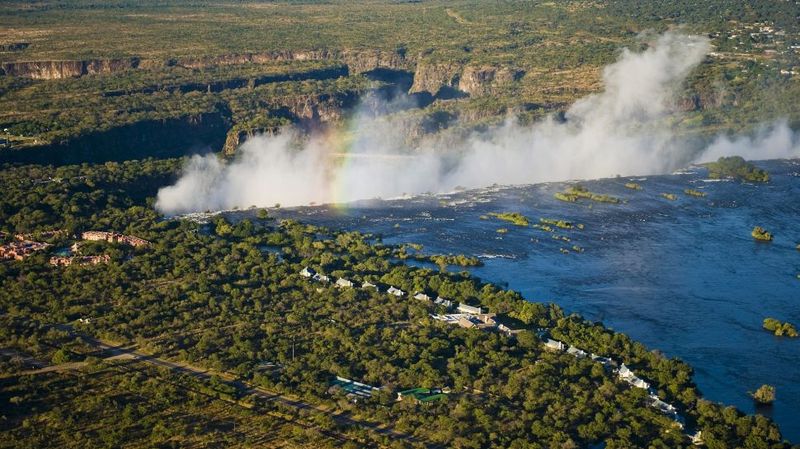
{"x":774,"y":141}
{"x":623,"y":130}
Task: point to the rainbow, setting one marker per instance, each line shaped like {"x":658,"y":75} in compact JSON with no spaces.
{"x":346,"y":165}
{"x":338,"y":143}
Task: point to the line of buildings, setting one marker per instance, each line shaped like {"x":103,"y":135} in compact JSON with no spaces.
{"x":627,"y":375}
{"x":311,"y":274}
{"x":114,"y":237}
{"x":467,"y":316}
{"x":65,"y":261}
{"x":24,"y":246}
{"x":41,"y":235}
{"x":21,"y":249}
{"x":439,"y":301}
{"x":103,"y":236}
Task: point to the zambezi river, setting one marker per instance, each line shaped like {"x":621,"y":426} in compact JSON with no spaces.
{"x":683,"y":276}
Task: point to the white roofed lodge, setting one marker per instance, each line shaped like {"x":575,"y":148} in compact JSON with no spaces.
{"x":395,"y":291}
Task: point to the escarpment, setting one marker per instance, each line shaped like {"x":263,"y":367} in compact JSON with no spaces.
{"x":48,"y":70}
{"x":442,"y":80}
{"x":357,"y":61}
{"x":170,"y":137}
{"x":483,"y":79}
{"x":238,"y":108}
{"x":204,"y":62}
{"x":436,"y":78}
{"x":361,"y":61}
{"x":324,"y":73}
{"x":306,"y":111}
{"x":451,"y":80}
{"x":313,"y":109}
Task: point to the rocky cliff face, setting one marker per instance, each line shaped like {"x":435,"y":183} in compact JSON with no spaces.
{"x":252,"y":58}
{"x":44,"y":69}
{"x":704,"y":100}
{"x":439,"y":78}
{"x":109,"y":65}
{"x":360,"y":61}
{"x":483,"y":80}
{"x":357,"y":61}
{"x":236,"y":137}
{"x":235,"y":83}
{"x":307,"y":111}
{"x":310,"y":110}
{"x":67,"y":69}
{"x":433,"y":77}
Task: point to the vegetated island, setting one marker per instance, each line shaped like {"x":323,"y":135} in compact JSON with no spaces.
{"x":573,"y":193}
{"x":737,"y":168}
{"x":761,"y":234}
{"x":633,"y":186}
{"x":441,"y":260}
{"x":764,"y":395}
{"x":548,"y":224}
{"x":563,"y":224}
{"x":780,"y":329}
{"x":461,"y":260}
{"x":512,"y":217}
{"x":695,"y":193}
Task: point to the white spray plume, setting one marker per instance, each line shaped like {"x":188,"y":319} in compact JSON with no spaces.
{"x":774,"y":141}
{"x":622,"y":130}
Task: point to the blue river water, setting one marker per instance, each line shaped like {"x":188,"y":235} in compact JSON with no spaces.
{"x":682,"y":276}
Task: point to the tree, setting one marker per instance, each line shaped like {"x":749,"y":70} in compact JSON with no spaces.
{"x":223,"y":228}
{"x":61,"y":356}
{"x":527,"y":339}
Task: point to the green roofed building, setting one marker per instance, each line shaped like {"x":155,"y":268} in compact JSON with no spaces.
{"x":422,"y":395}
